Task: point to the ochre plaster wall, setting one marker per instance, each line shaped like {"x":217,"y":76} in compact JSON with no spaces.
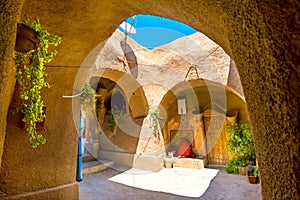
{"x":52,"y":165}
{"x":10,"y":11}
{"x":262,"y":37}
{"x":203,"y":93}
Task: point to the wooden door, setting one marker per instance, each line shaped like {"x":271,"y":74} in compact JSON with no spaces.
{"x":216,"y":139}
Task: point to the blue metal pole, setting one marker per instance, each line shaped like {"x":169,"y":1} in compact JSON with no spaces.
{"x":79,"y":153}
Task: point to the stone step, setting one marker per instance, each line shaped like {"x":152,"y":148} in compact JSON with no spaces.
{"x":189,"y":163}
{"x":96,"y":166}
{"x":87,"y":157}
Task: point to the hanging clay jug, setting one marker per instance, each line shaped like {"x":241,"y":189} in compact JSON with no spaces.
{"x":27,"y":39}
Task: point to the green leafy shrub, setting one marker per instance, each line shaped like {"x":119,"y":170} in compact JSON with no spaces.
{"x":242,"y":163}
{"x":241,"y":144}
{"x":232,"y":166}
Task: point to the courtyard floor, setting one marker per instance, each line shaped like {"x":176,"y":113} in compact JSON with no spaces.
{"x":96,"y":186}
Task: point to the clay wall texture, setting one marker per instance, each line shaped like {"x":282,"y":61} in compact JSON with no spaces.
{"x":52,"y":165}
{"x":10,"y":11}
{"x":262,"y":37}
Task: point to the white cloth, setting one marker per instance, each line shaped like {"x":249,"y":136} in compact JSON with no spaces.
{"x":180,"y":181}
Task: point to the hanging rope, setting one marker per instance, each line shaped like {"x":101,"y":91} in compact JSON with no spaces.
{"x":192,"y":67}
{"x":195,"y":68}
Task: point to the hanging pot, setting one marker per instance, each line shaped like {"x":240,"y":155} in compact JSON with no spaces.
{"x":38,"y":125}
{"x":27,"y":39}
{"x":253,"y":179}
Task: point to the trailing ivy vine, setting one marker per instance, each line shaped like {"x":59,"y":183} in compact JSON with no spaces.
{"x":30,"y":73}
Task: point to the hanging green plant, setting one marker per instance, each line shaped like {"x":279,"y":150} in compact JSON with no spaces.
{"x":87,"y":98}
{"x":155,"y":117}
{"x":154,"y":114}
{"x":30,"y":73}
{"x":116,"y":114}
{"x":111,"y":122}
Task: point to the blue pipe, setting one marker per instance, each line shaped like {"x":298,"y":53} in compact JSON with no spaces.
{"x":79,"y":153}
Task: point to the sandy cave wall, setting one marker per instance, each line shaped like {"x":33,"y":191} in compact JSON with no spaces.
{"x":7,"y":72}
{"x":53,"y":164}
{"x":265,"y":51}
{"x":262,"y":38}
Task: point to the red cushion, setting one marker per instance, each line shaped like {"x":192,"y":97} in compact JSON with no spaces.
{"x":184,"y":149}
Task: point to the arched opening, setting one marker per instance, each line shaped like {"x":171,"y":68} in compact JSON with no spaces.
{"x":208,"y":106}
{"x":246,"y":31}
{"x":121,"y":107}
{"x":159,"y":70}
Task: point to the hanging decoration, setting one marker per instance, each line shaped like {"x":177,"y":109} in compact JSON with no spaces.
{"x":30,"y":73}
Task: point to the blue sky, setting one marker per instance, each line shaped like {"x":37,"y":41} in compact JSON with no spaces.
{"x":154,"y":31}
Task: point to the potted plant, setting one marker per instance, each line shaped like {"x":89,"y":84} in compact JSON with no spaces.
{"x":253,"y":174}
{"x":256,"y":173}
{"x":30,"y":73}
